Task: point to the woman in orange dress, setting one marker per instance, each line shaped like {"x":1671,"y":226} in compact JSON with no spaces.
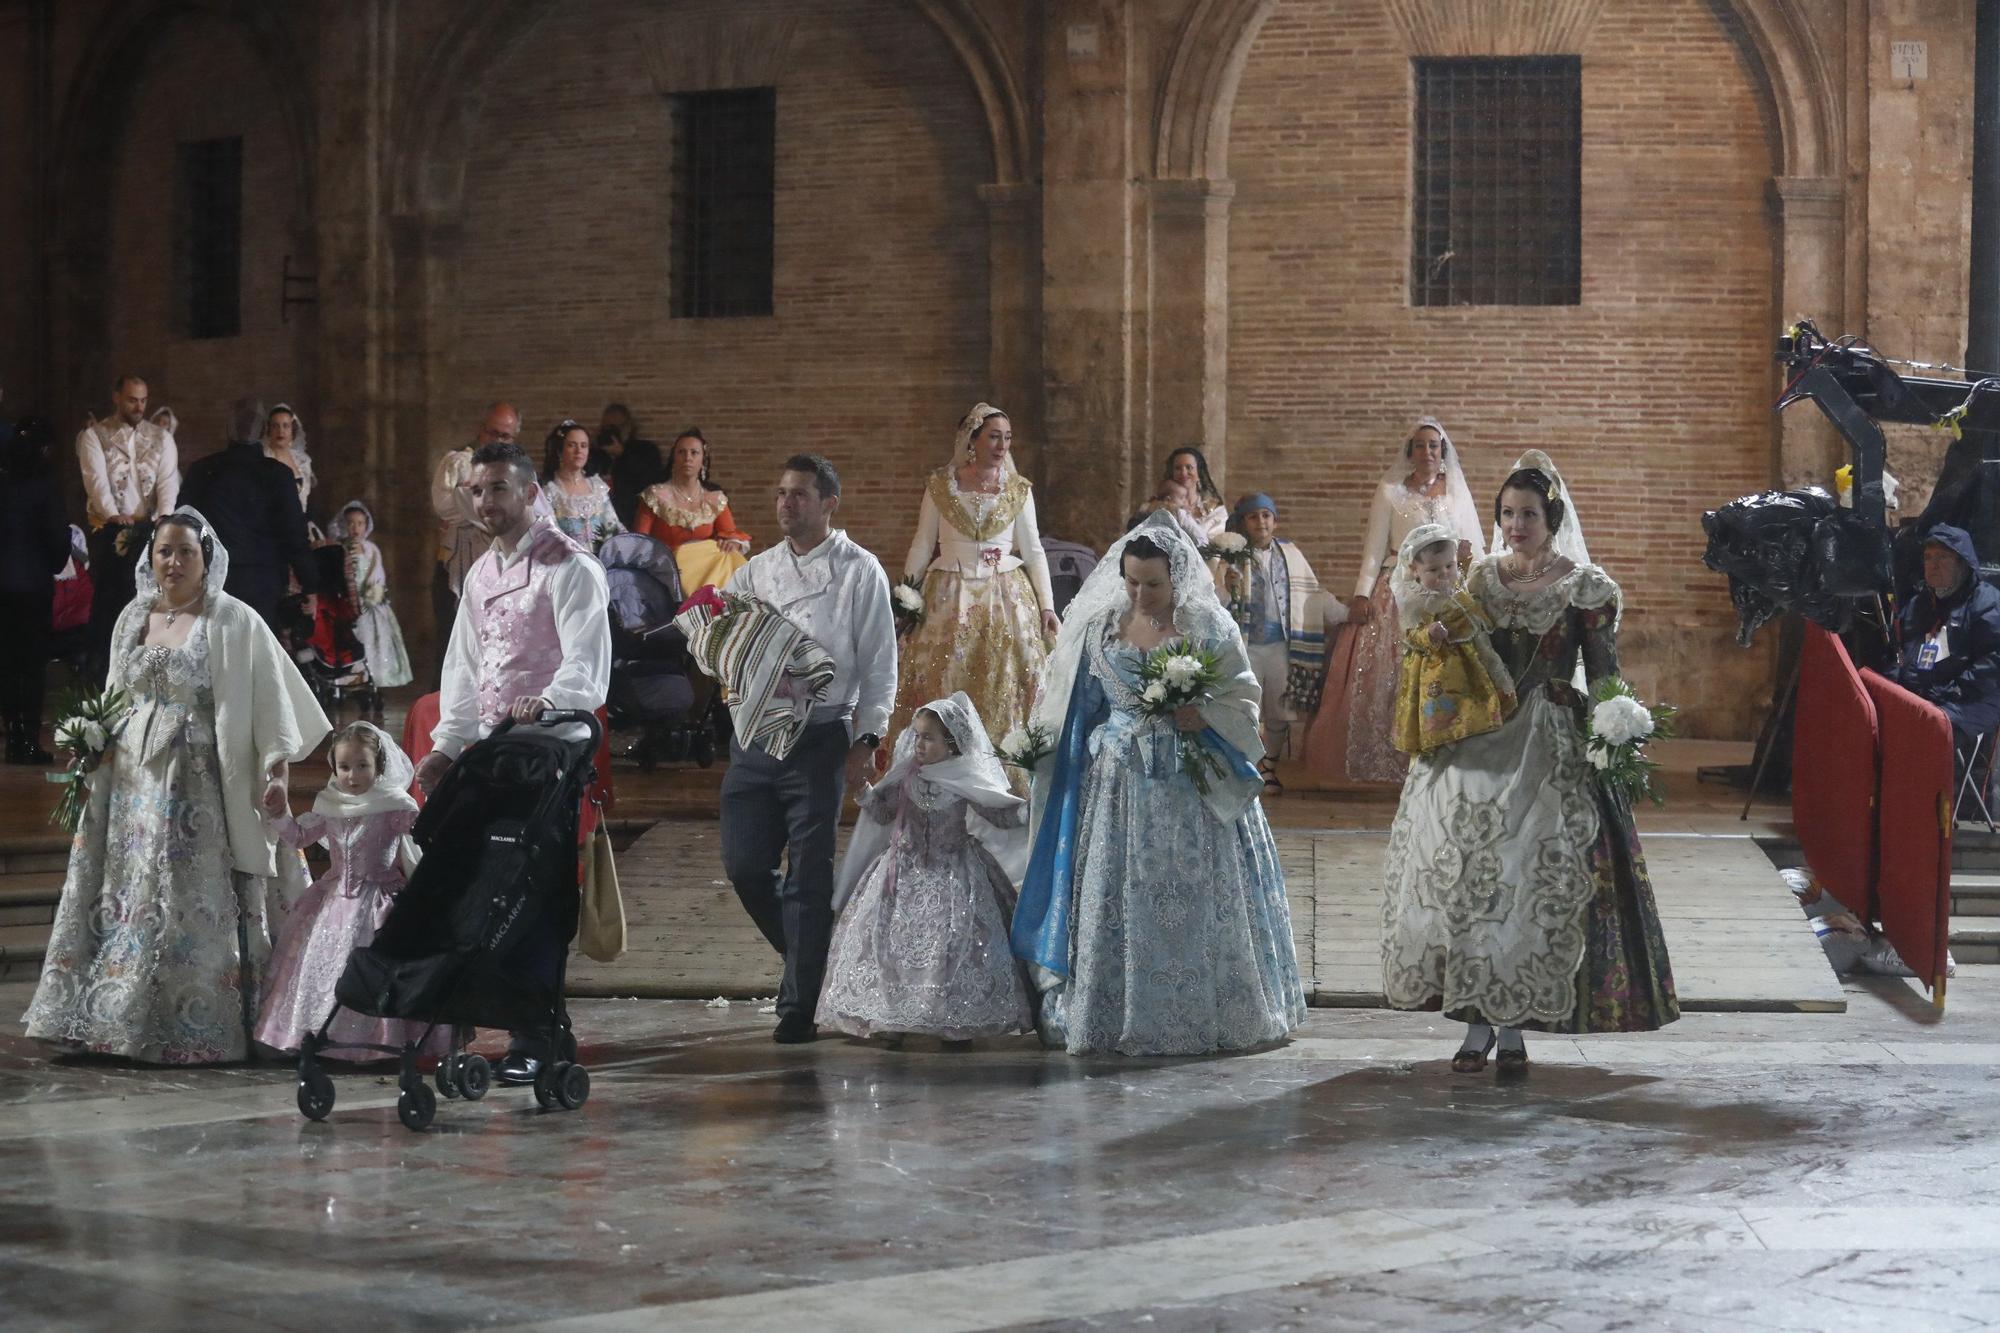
{"x":691,"y":515}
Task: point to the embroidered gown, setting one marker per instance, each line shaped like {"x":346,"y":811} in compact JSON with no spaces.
{"x":375,"y":624}
{"x":1517,"y":890}
{"x":159,"y":948}
{"x":983,"y":597}
{"x":1180,"y":934}
{"x":922,"y":946}
{"x":338,"y":914}
{"x":692,"y":535}
{"x":586,"y":519}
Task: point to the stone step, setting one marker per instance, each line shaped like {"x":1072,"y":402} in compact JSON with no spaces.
{"x":21,"y":949}
{"x":1975,"y":894}
{"x":1975,"y":939}
{"x":28,"y":900}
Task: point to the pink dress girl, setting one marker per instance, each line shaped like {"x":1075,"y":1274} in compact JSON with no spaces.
{"x":366,"y":833}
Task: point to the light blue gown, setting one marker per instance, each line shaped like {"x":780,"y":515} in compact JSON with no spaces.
{"x":1157,"y":925}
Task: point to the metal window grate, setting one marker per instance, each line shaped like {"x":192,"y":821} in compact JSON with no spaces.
{"x":1498,"y":190}
{"x":210,"y":178}
{"x":724,"y":167}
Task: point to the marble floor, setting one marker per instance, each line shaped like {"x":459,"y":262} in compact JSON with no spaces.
{"x":1738,"y":1171}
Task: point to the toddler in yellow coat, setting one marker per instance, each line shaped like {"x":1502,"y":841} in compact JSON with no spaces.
{"x":1453,"y":685}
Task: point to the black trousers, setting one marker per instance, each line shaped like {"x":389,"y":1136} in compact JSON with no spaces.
{"x":114,"y":584}
{"x":786,"y":811}
{"x":24,"y":658}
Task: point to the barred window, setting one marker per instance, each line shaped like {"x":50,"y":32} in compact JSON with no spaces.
{"x":724,"y":166}
{"x":1498,"y":190}
{"x":209,"y":249}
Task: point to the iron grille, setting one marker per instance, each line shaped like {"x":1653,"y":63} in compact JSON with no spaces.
{"x":1498,"y":189}
{"x":724,"y":168}
{"x":211,"y":236}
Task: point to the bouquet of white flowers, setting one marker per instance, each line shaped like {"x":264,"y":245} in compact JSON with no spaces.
{"x":1621,"y":726}
{"x":1174,"y":675}
{"x":1024,"y":747}
{"x":906,"y":600}
{"x":86,"y":731}
{"x":1232,"y":550}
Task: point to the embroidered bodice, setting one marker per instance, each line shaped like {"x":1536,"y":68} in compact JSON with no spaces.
{"x":1540,"y":633}
{"x":362,"y":847}
{"x":933,"y":829}
{"x":170,"y":691}
{"x":588,"y":518}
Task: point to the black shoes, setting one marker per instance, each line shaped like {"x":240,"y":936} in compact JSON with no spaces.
{"x":517,"y":1069}
{"x":795,"y":1030}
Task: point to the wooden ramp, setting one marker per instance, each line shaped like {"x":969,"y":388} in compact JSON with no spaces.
{"x":1738,"y":940}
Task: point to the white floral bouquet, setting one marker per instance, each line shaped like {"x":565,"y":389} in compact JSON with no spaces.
{"x":1174,"y":675}
{"x":1232,"y":550}
{"x":87,"y":729}
{"x":1024,"y":747}
{"x":1621,"y":726}
{"x":906,"y":600}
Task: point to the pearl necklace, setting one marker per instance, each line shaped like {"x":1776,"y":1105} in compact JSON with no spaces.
{"x":1539,"y":571}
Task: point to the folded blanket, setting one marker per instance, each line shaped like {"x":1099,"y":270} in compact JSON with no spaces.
{"x":771,"y":670}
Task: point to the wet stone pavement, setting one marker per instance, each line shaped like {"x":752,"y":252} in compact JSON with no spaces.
{"x":1776,"y":1171}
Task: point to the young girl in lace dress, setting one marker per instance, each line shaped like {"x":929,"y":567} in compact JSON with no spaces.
{"x":363,"y":817}
{"x":921,"y":943}
{"x":375,"y":622}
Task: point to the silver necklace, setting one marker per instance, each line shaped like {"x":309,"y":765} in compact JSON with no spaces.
{"x":174,"y":612}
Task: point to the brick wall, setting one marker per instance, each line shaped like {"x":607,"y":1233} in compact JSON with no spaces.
{"x":1652,"y":395}
{"x":878,"y":343}
{"x":177,"y":102}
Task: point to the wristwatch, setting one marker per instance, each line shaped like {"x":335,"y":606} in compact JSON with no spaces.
{"x":869,"y":739}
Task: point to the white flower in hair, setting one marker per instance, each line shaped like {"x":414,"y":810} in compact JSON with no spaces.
{"x":1156,"y":692}
{"x":1621,"y":720}
{"x":908,"y":598}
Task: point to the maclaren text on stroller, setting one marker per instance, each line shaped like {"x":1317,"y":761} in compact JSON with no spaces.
{"x":480,"y":935}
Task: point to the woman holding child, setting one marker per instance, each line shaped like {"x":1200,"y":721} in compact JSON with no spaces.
{"x":1153,"y":910}
{"x":176,"y":882}
{"x":1517,"y":891}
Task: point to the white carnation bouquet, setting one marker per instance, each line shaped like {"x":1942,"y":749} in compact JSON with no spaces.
{"x":906,"y":601}
{"x":1024,"y":747}
{"x":1621,"y":727}
{"x":87,"y":729}
{"x":1178,"y":674}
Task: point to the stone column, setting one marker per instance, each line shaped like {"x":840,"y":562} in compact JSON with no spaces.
{"x":1187,"y":319}
{"x":1013,"y":284}
{"x":1087,"y":243}
{"x":1811,"y":215}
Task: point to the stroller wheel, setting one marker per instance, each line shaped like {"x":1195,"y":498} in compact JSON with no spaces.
{"x":545,"y":1087}
{"x":447,"y":1076}
{"x":315,"y":1095}
{"x":475,"y":1077}
{"x":417,"y":1107}
{"x":572,"y":1085}
{"x":704,"y":749}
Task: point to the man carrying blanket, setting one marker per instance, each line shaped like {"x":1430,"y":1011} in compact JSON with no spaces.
{"x":803,"y":733}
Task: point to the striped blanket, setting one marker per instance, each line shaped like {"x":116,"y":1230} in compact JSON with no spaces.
{"x":771,"y":671}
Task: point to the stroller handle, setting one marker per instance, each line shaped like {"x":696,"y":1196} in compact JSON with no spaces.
{"x":558,"y":717}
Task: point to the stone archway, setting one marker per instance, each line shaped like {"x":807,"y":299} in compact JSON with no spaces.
{"x":92,"y":121}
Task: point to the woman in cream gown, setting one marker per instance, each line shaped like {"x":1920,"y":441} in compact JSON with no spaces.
{"x":989,"y":612}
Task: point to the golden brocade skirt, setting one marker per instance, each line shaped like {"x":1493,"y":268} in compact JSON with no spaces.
{"x":980,"y":635}
{"x":704,"y":564}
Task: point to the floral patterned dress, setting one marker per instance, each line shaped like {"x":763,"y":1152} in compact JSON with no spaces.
{"x":1182,"y":940}
{"x":586,"y":519}
{"x":1517,"y":890}
{"x":159,"y":946}
{"x":922,"y":948}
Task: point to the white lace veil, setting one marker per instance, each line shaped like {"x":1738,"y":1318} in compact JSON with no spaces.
{"x":340,"y":516}
{"x":1569,"y":543}
{"x":391,"y":791}
{"x":214,"y":553}
{"x":968,"y":426}
{"x":299,"y":451}
{"x":1402,"y":582}
{"x":1198,"y":613}
{"x":1458,"y":496}
{"x":974,"y":774}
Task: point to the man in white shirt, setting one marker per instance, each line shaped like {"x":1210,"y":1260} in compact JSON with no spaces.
{"x":786,"y":811}
{"x":531,"y":635}
{"x":461,"y":536}
{"x":131,"y":475}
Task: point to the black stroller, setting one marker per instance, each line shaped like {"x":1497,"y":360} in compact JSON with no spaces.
{"x":654,"y":689}
{"x":480,"y":935}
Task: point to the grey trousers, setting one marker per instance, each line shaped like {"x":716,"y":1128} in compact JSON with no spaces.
{"x":786,"y":811}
